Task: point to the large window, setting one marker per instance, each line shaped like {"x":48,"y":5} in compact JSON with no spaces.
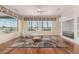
{"x":32,"y":25}
{"x":36,"y":25}
{"x":47,"y":25}
{"x":8,"y":25}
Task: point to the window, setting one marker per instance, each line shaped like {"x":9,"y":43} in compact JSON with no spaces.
{"x":29,"y":25}
{"x":36,"y":25}
{"x":8,"y":25}
{"x":47,"y":25}
{"x":32,"y":25}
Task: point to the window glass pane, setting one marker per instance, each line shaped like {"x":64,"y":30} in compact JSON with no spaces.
{"x":50,"y":23}
{"x":34,"y":23}
{"x":39,"y":24}
{"x":28,"y":24}
{"x":47,"y":25}
{"x":8,"y":25}
{"x":44,"y":23}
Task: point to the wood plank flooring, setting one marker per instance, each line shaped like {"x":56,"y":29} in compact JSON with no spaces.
{"x":35,"y":51}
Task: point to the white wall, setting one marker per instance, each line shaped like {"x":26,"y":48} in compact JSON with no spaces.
{"x":68,"y":13}
{"x":71,"y":12}
{"x":7,"y":37}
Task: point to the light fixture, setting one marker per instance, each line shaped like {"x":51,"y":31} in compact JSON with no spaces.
{"x":38,"y":9}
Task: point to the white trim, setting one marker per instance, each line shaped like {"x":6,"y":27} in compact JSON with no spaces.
{"x":66,"y":19}
{"x":75,"y":28}
{"x":70,"y":40}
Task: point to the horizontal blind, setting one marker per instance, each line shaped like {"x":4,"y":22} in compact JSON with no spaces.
{"x":40,"y":18}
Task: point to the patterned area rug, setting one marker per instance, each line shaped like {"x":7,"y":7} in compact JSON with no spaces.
{"x":42,"y":44}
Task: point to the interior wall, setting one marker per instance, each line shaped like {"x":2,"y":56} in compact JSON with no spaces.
{"x":6,"y":37}
{"x":68,"y":13}
{"x":21,"y":24}
{"x":76,"y":10}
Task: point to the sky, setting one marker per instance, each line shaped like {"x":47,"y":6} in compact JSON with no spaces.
{"x":8,"y":22}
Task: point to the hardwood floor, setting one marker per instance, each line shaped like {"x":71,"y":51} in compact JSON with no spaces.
{"x":35,"y":51}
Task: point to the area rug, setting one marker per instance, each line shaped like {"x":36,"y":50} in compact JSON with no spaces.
{"x":42,"y":44}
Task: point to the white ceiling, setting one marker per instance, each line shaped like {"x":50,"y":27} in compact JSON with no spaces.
{"x":28,"y":10}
